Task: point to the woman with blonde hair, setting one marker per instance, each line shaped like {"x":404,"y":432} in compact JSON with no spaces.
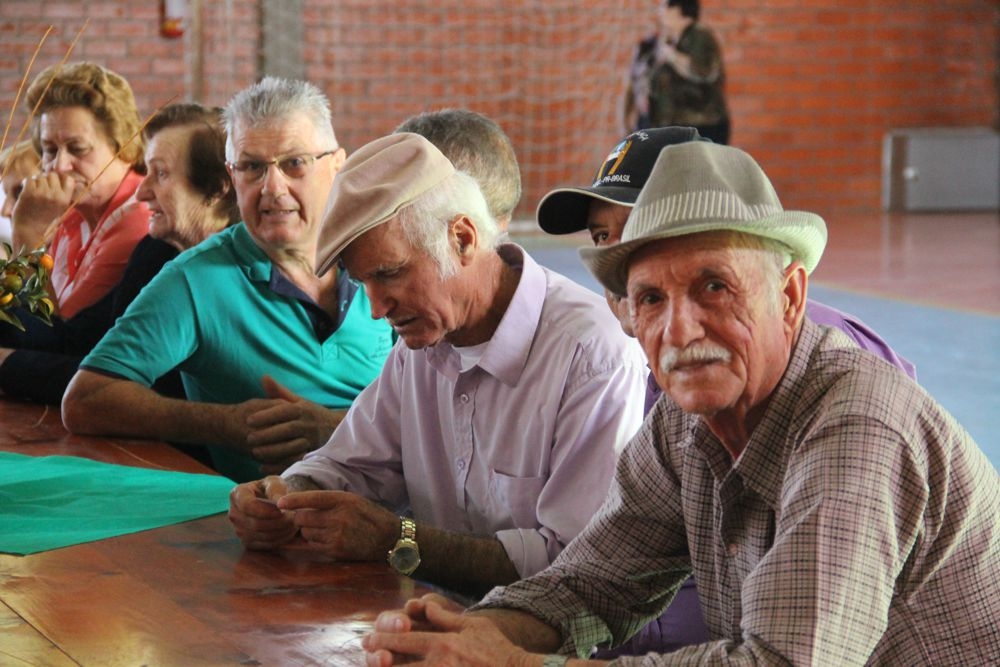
{"x":87,"y":130}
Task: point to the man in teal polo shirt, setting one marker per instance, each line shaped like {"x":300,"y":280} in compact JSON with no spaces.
{"x":270,"y":355}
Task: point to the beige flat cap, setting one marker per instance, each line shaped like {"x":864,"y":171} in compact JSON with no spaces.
{"x":376,"y":181}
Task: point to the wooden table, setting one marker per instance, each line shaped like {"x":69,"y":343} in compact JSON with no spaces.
{"x":187,"y":594}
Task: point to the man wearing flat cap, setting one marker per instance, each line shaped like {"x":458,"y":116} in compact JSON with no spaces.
{"x":832,"y":512}
{"x":489,"y":439}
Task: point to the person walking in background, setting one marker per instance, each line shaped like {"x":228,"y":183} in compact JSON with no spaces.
{"x":636,"y":103}
{"x":677,"y":76}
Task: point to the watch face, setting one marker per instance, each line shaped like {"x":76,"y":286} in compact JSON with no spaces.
{"x":405,"y":558}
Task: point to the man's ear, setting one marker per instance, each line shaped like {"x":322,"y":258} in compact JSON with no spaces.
{"x":337,"y":159}
{"x":464,"y":238}
{"x":795,"y":288}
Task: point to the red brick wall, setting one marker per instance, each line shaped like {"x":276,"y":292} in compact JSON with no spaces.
{"x":125,"y":37}
{"x":813,"y":85}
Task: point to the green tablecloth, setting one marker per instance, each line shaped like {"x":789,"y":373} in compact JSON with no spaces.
{"x":47,"y":502}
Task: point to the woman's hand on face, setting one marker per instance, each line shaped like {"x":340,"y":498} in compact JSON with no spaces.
{"x":44,"y":198}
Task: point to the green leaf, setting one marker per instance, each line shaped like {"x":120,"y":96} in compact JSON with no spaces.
{"x":10,"y":319}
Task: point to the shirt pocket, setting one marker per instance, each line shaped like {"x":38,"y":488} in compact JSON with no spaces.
{"x":517,"y":497}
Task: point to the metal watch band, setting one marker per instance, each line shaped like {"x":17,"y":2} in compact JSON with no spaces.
{"x":405,"y":556}
{"x":554,"y":660}
{"x":407,"y":529}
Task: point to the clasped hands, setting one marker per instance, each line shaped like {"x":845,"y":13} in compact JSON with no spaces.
{"x":432,"y":630}
{"x":344,"y":526}
{"x":341,"y":525}
{"x":281,"y":429}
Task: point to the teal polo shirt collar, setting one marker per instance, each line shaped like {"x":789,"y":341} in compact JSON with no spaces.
{"x":259,"y":268}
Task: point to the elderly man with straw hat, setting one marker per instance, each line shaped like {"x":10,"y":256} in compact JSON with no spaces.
{"x":490,"y":437}
{"x":601,"y":208}
{"x":832,"y":512}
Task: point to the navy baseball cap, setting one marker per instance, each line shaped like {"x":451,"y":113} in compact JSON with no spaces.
{"x":618,"y":181}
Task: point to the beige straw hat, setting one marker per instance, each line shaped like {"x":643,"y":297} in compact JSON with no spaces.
{"x":701,"y":187}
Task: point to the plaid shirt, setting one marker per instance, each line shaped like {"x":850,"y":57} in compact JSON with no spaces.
{"x":861,"y":525}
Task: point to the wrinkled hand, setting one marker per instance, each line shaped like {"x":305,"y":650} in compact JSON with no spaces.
{"x":45,"y":197}
{"x":430,"y":631}
{"x":342,"y":525}
{"x":413,"y":615}
{"x":285,"y":427}
{"x":255,"y":516}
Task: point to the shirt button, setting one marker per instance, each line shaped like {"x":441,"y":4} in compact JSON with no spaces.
{"x":464,"y":398}
{"x":733,"y":549}
{"x":461,"y":464}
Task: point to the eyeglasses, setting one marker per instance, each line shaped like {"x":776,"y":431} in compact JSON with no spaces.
{"x":292,"y":166}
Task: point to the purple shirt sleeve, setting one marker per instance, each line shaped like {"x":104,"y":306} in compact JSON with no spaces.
{"x":859,"y":332}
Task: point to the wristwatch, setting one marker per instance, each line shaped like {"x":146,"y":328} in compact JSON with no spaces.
{"x":555,"y":660}
{"x":405,"y":556}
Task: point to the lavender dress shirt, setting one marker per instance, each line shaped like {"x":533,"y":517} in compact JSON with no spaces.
{"x":521,"y":446}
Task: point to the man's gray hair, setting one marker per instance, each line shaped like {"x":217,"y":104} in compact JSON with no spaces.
{"x":273,"y":99}
{"x":425,"y":220}
{"x":776,"y":257}
{"x":780,"y":253}
{"x":475,"y":144}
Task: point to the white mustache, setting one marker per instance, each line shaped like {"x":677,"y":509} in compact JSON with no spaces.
{"x":673,"y":357}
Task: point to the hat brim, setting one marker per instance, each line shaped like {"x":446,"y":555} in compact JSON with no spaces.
{"x":564,"y":210}
{"x":328,"y":256}
{"x":803,"y":232}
